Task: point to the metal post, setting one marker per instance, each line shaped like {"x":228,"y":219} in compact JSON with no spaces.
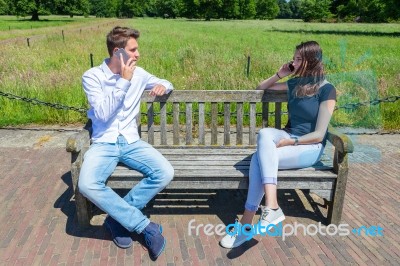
{"x":248,"y":65}
{"x":62,"y":32}
{"x":27,"y":40}
{"x":91,"y":60}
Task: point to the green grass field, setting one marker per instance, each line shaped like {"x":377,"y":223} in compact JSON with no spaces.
{"x":361,"y":61}
{"x":12,"y":27}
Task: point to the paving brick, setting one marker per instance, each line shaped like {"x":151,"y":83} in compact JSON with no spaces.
{"x":284,"y":247}
{"x":325,"y":259}
{"x":270,"y":250}
{"x":48,"y":255}
{"x":184,"y":250}
{"x":41,"y":229}
{"x":282,"y":256}
{"x":44,"y":244}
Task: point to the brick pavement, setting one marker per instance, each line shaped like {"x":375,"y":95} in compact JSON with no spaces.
{"x":38,"y":226}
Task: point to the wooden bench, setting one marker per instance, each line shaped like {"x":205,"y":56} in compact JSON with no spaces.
{"x":209,"y":137}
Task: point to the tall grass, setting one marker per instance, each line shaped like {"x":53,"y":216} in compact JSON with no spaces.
{"x":361,"y":61}
{"x":12,"y":27}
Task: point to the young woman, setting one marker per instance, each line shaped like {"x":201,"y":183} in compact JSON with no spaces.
{"x":311,"y":101}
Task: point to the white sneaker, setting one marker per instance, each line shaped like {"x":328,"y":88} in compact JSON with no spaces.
{"x":233,"y":241}
{"x":269,"y":216}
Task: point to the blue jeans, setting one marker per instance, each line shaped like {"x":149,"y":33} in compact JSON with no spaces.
{"x":99,"y":163}
{"x":266,"y":161}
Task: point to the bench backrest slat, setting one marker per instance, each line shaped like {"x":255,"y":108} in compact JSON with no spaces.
{"x":252,"y":129}
{"x":214,"y":123}
{"x":278,"y":121}
{"x":202,"y":123}
{"x":203,"y":113}
{"x":189,"y":123}
{"x":227,"y":123}
{"x":163,"y":123}
{"x":265,"y":115}
{"x":239,"y":123}
{"x":176,"y":123}
{"x":150,"y":122}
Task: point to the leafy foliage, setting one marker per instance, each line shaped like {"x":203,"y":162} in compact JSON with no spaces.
{"x":315,"y":10}
{"x":267,"y":9}
{"x":308,"y":10}
{"x":3,"y":7}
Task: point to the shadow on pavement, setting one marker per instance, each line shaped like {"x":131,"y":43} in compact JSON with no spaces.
{"x":225,"y":204}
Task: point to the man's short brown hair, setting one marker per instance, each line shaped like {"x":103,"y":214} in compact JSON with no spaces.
{"x":119,"y":36}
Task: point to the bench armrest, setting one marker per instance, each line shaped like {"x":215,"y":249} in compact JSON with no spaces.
{"x":342,"y":143}
{"x":78,"y":141}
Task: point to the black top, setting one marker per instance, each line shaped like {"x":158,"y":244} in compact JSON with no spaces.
{"x":303,"y":111}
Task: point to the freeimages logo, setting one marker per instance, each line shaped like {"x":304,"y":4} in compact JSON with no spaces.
{"x":281,"y":230}
{"x":286,"y":230}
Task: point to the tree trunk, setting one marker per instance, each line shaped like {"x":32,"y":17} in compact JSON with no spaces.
{"x":35,"y":15}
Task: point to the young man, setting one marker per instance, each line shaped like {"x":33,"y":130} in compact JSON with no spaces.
{"x":113,"y":90}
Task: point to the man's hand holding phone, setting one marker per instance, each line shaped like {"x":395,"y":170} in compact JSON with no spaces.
{"x":128,"y":64}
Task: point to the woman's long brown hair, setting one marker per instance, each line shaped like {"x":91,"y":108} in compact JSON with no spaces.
{"x":311,"y":71}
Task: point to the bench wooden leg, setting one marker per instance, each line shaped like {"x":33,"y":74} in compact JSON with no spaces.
{"x":336,"y":206}
{"x":82,"y":205}
{"x":83,"y":210}
{"x":335,"y":212}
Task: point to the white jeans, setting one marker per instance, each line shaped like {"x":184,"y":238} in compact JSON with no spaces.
{"x":266,"y":161}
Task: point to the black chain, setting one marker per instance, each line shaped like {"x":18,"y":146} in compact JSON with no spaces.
{"x":39,"y":102}
{"x":348,"y":106}
{"x":352,"y":106}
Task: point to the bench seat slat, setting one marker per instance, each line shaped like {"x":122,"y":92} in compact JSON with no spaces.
{"x":206,"y":151}
{"x":198,"y":159}
{"x":224,"y":165}
{"x":229,"y":183}
{"x":211,"y":159}
{"x":229,"y":172}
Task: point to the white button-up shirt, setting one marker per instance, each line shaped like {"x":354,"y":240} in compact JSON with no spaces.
{"x":115,"y":102}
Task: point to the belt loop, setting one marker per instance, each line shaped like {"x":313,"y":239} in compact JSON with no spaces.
{"x":119,"y":139}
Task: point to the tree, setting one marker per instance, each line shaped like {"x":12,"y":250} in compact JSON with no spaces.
{"x":210,"y":8}
{"x":3,"y":7}
{"x":284,"y":9}
{"x":73,"y":7}
{"x":247,"y":9}
{"x":169,"y":8}
{"x":41,"y":7}
{"x":372,"y":10}
{"x":315,"y":10}
{"x":229,"y":9}
{"x":367,"y":11}
{"x":267,"y":9}
{"x":152,"y":8}
{"x":32,"y":7}
{"x":131,"y":8}
{"x":294,"y":6}
{"x":191,"y":8}
{"x":104,"y":8}
{"x":392,"y":9}
{"x":346,"y":11}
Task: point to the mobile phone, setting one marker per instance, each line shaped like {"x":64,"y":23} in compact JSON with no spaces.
{"x":122,"y":51}
{"x":291,"y":67}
